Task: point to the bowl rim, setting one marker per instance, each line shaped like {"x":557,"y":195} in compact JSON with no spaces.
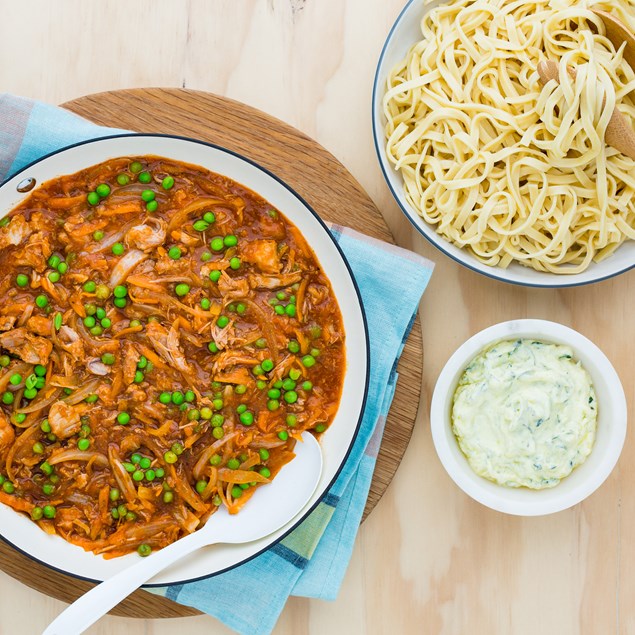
{"x":299,"y":519}
{"x":481,"y":489}
{"x":441,"y":243}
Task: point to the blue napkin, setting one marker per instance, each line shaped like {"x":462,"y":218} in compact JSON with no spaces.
{"x":312,"y":560}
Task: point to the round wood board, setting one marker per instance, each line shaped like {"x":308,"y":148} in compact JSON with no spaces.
{"x":327,"y":187}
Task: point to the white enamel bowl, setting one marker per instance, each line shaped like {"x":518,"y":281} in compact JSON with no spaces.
{"x":404,"y":33}
{"x":337,"y":441}
{"x":586,"y":478}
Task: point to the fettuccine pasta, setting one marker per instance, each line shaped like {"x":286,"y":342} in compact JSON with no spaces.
{"x":505,"y":167}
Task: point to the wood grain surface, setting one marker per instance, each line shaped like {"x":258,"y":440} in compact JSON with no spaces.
{"x":428,"y":560}
{"x":326,"y":186}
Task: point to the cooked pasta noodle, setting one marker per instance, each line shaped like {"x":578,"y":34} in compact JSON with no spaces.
{"x":499,"y":164}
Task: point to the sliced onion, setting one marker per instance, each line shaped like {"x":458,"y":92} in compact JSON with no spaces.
{"x":82,"y":393}
{"x":40,"y":404}
{"x":78,"y":455}
{"x":208,"y":452}
{"x":97,"y":367}
{"x":125,"y":266}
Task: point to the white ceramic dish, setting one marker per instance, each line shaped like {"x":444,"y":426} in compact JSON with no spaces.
{"x":585,"y":479}
{"x":404,"y":33}
{"x":337,"y":441}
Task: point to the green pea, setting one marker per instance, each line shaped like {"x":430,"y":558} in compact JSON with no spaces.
{"x":152,"y":206}
{"x":279,"y":309}
{"x":30,"y":393}
{"x":190,"y":396}
{"x":148,"y":195}
{"x":100,"y":313}
{"x":83,"y":444}
{"x":54,"y":261}
{"x":18,"y":417}
{"x":123,"y":179}
{"x":123,"y":418}
{"x":106,"y":323}
{"x":240,"y":389}
{"x":320,"y":427}
{"x":200,"y":486}
{"x":241,"y":408}
{"x":40,"y":383}
{"x":42,"y":301}
{"x":260,"y":343}
{"x":233,"y":464}
{"x":281,"y":295}
{"x":54,"y":276}
{"x":234,"y":263}
{"x":291,"y":396}
{"x":293,"y":346}
{"x":38,"y":448}
{"x":137,"y":475}
{"x":215,"y":459}
{"x":8,"y":487}
{"x":62,"y":267}
{"x":40,"y":370}
{"x":22,"y":280}
{"x":167,"y":183}
{"x":206,"y":413}
{"x":209,"y":217}
{"x":230,"y":240}
{"x":144,"y":550}
{"x":222,"y":321}
{"x":181,"y":289}
{"x":247,"y":418}
{"x":5,"y":360}
{"x":102,"y":291}
{"x":290,"y":310}
{"x":177,"y":448}
{"x":308,"y":361}
{"x":177,"y":397}
{"x":143,"y":360}
{"x":45,"y":426}
{"x":135,"y":323}
{"x":113,"y":494}
{"x":240,"y":308}
{"x":314,"y":352}
{"x":215,"y":275}
{"x":212,"y":347}
{"x":237,"y":492}
{"x":136,"y":458}
{"x":102,"y":190}
{"x":93,"y":198}
{"x":218,"y":404}
{"x":283,"y":435}
{"x":130,"y":516}
{"x":49,"y":511}
{"x":200,"y":225}
{"x":136,"y":167}
{"x":267,"y":365}
{"x":96,"y":330}
{"x":274,"y":393}
{"x":261,"y":385}
{"x":273,"y":404}
{"x":218,"y":433}
{"x":145,"y":462}
{"x":108,"y":359}
{"x":288,"y":384}
{"x":205,"y":304}
{"x":217,"y":243}
{"x":89,"y":321}
{"x":307,"y":385}
{"x":120,"y":303}
{"x":193,"y":415}
{"x":90,"y":309}
{"x":150,"y":475}
{"x":174,"y":253}
{"x":138,"y":377}
{"x":206,"y":255}
{"x":264,"y":471}
{"x":120,"y":291}
{"x":37,"y":513}
{"x":168,"y":497}
{"x":118,"y":249}
{"x":16,"y":379}
{"x":114,"y":513}
{"x":294,"y":373}
{"x":264,"y":454}
{"x":57,"y":321}
{"x":145,"y":177}
{"x":160,"y":472}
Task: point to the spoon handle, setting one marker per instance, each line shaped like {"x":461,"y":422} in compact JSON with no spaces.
{"x":87,"y":609}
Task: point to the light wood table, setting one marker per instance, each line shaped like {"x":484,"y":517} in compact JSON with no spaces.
{"x":428,"y":560}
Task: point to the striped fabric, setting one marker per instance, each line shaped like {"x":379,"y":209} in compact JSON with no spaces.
{"x":312,"y":560}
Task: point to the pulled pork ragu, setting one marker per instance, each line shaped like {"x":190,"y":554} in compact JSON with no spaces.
{"x":166,"y":335}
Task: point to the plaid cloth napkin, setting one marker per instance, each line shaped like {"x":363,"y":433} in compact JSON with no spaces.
{"x":312,"y":560}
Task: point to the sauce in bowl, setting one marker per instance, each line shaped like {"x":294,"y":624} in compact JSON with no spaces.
{"x":525,"y":413}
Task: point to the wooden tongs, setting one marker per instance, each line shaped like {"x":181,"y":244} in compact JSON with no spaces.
{"x":619,"y":134}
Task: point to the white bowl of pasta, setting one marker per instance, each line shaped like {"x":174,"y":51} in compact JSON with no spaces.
{"x":478,"y":156}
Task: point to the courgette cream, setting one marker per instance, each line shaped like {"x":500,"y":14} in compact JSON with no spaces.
{"x":525,"y":413}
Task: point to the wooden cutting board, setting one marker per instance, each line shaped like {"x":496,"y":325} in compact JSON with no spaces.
{"x":328,"y":188}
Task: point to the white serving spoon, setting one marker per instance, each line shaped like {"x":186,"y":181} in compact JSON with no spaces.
{"x":270,"y":508}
